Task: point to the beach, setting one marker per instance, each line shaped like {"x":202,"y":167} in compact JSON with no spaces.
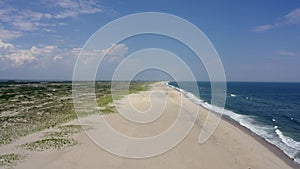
{"x":230,"y":146}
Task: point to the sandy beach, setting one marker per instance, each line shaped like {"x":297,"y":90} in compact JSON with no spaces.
{"x":230,"y":147}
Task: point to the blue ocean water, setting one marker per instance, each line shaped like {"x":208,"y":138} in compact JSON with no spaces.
{"x":271,"y":110}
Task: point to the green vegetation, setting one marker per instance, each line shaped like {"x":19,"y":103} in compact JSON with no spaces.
{"x":28,"y":107}
{"x":56,"y":140}
{"x":10,"y":160}
{"x":34,"y":107}
{"x":66,"y":131}
{"x":108,"y":109}
{"x":105,"y":100}
{"x":138,"y":87}
{"x":50,"y":143}
{"x":121,"y":90}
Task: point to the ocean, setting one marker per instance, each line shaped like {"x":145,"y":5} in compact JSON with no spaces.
{"x":271,"y":110}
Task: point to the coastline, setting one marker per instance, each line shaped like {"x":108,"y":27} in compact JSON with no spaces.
{"x":273,"y":148}
{"x":229,"y":147}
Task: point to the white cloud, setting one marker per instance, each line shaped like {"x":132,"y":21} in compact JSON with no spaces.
{"x":262,"y":28}
{"x":65,"y":14}
{"x":21,"y":57}
{"x":67,"y":4}
{"x":5,"y":47}
{"x":12,"y":57}
{"x":73,"y":8}
{"x":88,"y":7}
{"x":81,"y":6}
{"x":22,"y":20}
{"x":288,"y":53}
{"x":28,"y":20}
{"x":291,"y":18}
{"x":116,"y":53}
{"x":6,"y":34}
{"x":113,"y":54}
{"x":63,"y":54}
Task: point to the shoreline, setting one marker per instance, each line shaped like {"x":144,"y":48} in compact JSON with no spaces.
{"x":230,"y":146}
{"x":273,"y":148}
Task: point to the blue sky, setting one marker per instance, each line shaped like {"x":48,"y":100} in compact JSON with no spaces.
{"x":256,"y":40}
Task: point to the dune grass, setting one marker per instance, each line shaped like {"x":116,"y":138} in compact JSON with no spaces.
{"x":28,"y":107}
{"x":56,"y":140}
{"x":9,"y":160}
{"x":50,"y":144}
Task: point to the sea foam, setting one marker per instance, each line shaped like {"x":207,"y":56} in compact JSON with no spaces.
{"x":270,"y":133}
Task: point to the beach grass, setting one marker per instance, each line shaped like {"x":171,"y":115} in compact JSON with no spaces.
{"x":28,"y":107}
{"x":54,"y":143}
{"x":10,"y":160}
{"x":66,"y":131}
{"x":57,"y":139}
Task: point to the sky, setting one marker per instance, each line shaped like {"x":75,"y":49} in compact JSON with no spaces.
{"x":256,"y":40}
